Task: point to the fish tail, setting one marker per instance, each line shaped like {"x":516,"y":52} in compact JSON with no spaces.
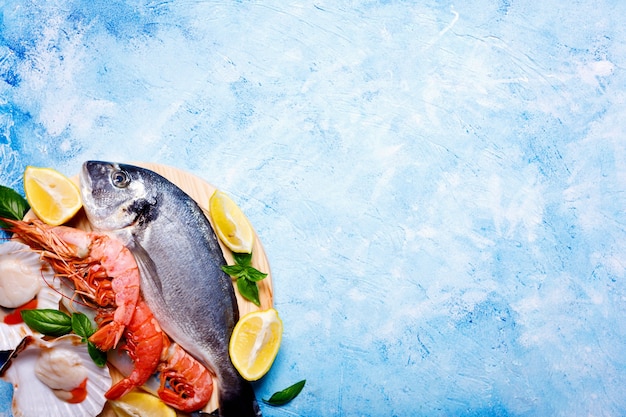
{"x":241,"y":404}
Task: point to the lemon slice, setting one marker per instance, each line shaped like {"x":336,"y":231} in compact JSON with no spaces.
{"x":232,"y":226}
{"x":141,"y":404}
{"x":53,"y":197}
{"x":254,"y":343}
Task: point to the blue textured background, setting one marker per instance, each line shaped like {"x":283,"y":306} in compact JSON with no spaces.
{"x":440,"y":187}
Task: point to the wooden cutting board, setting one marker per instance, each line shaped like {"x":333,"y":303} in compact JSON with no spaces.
{"x":201,"y":191}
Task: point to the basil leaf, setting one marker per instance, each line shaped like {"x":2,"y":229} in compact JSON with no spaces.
{"x":82,"y":326}
{"x":99,"y":357}
{"x":12,"y":204}
{"x":243,"y":268}
{"x":286,"y":395}
{"x":48,"y":321}
{"x":234,"y":270}
{"x":247,"y":276}
{"x":249,"y":290}
{"x":254,"y":274}
{"x":56,"y":323}
{"x":243,"y":259}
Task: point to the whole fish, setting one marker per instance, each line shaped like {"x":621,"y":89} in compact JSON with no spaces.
{"x":180,"y":264}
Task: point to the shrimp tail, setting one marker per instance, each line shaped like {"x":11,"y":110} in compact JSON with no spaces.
{"x":108,"y":336}
{"x":120,"y":389}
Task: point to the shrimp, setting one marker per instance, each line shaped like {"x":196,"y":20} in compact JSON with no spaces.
{"x":105,"y":273}
{"x":101,"y":268}
{"x":144,"y":345}
{"x":185,"y":383}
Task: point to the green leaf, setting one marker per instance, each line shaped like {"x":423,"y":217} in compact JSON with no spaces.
{"x":249,"y":290}
{"x":286,"y":395}
{"x":254,"y":274}
{"x":99,"y":357}
{"x":48,"y":321}
{"x":243,"y":259}
{"x":81,"y":325}
{"x":57,"y":323}
{"x":12,"y":204}
{"x":243,"y":268}
{"x":247,"y":276}
{"x":234,"y":270}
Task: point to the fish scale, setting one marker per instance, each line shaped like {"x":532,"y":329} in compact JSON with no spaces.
{"x":180,"y":263}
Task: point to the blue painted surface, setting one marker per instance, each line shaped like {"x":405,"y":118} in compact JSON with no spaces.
{"x":6,"y":396}
{"x":440,"y":187}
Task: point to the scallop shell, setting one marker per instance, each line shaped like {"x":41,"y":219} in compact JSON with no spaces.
{"x":32,"y":398}
{"x":12,"y":335}
{"x":48,"y":296}
{"x":26,"y":271}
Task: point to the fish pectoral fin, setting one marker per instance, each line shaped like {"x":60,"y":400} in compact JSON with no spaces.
{"x":146,"y":265}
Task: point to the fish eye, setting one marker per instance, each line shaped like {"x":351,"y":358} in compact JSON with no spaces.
{"x":120,"y":179}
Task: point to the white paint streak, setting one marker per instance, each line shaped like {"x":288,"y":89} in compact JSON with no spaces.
{"x":445,"y":30}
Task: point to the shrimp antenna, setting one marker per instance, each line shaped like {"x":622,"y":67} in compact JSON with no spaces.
{"x":61,"y":293}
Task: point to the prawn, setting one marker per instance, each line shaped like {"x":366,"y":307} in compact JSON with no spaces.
{"x":101,"y":268}
{"x":105,"y":272}
{"x":144,"y":345}
{"x":184,"y":383}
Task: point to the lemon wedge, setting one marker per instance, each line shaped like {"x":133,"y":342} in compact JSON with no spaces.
{"x":141,"y":404}
{"x":254,"y":343}
{"x":231,"y":225}
{"x":53,"y":197}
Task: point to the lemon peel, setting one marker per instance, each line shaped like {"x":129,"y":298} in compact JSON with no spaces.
{"x":141,"y":404}
{"x":255,"y":342}
{"x":52,"y":196}
{"x":231,"y":225}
